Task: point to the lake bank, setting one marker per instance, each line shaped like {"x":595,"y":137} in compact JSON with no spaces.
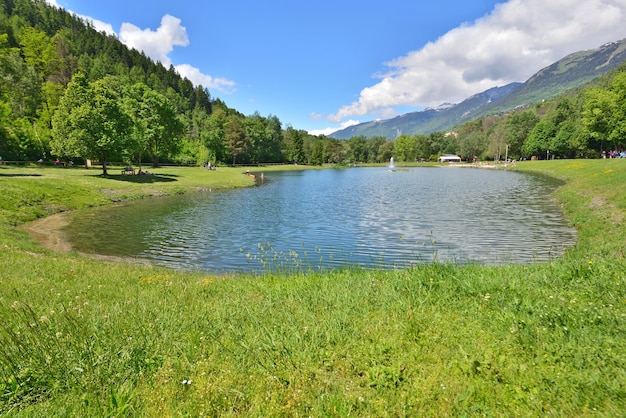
{"x":323,"y":219}
{"x":83,"y":337}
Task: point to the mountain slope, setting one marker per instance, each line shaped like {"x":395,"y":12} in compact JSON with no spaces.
{"x":568,"y":73}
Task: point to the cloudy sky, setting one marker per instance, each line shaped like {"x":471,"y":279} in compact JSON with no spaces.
{"x":323,"y":65}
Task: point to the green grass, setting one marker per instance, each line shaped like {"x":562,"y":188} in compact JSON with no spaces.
{"x":83,"y":337}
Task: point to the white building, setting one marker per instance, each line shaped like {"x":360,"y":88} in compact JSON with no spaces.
{"x":449,"y":158}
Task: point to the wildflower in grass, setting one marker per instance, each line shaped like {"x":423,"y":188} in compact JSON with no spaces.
{"x":43,"y":318}
{"x":590,"y":262}
{"x":186,"y":382}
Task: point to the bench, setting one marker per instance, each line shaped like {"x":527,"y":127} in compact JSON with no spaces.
{"x":128,"y":170}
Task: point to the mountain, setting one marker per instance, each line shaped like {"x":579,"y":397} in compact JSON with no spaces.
{"x":566,"y":74}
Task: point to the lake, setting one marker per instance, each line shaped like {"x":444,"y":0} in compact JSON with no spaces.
{"x":325,"y":219}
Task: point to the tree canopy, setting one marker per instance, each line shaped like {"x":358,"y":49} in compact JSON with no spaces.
{"x":90,"y":122}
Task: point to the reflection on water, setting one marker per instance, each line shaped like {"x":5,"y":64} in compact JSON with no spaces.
{"x":323,"y":219}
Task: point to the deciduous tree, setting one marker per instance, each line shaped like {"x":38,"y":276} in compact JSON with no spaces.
{"x":90,"y":122}
{"x":157,"y":128}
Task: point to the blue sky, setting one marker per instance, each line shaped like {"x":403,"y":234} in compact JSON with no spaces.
{"x":324,"y":65}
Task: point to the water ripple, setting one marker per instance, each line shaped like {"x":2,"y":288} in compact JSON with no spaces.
{"x":330,"y":218}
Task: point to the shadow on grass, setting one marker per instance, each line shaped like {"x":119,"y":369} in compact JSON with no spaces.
{"x":143,"y":179}
{"x":19,"y":175}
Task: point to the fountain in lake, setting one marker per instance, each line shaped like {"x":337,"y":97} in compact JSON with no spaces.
{"x":391,"y":166}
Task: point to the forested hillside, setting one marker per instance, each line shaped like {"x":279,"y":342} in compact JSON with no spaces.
{"x":61,"y":80}
{"x":70,"y":92}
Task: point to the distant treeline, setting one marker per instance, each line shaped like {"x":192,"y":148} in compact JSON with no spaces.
{"x":68,"y":91}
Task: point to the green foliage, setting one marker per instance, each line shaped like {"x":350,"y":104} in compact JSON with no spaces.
{"x":604,"y":114}
{"x":517,"y":128}
{"x":90,"y":122}
{"x":405,"y":148}
{"x":235,"y":137}
{"x":294,"y":143}
{"x":539,"y":140}
{"x":357,"y":149}
{"x":157,"y":129}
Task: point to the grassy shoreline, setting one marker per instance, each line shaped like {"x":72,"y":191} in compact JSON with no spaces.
{"x":85,"y":337}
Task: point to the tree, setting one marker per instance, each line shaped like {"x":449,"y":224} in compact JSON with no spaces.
{"x":604,"y":111}
{"x":39,"y":51}
{"x":357,"y":149}
{"x":441,"y":143}
{"x":235,"y":137}
{"x":274,"y":140}
{"x":540,"y":139}
{"x":265,"y":138}
{"x":213,"y":133}
{"x":374,"y":145}
{"x":385,"y":151}
{"x":90,"y":122}
{"x":295,"y":145}
{"x":334,"y":151}
{"x":473,"y":144}
{"x":157,"y":129}
{"x":20,"y":84}
{"x":317,"y":152}
{"x":405,"y":148}
{"x":517,"y":128}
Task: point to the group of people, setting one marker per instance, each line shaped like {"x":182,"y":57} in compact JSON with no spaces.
{"x":207,"y":166}
{"x":131,"y":170}
{"x":614,"y":154}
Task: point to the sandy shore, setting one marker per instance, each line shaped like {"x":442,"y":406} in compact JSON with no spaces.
{"x":49,"y":233}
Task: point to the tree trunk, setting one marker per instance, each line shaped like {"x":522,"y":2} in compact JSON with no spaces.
{"x":104,"y":167}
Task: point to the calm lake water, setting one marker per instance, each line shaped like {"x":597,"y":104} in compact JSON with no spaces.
{"x":323,"y":219}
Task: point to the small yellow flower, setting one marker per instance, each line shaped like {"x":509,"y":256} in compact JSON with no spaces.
{"x":590,"y":262}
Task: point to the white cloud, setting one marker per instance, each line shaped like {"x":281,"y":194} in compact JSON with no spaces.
{"x":196,"y":77}
{"x":98,"y":25}
{"x":330,"y":130}
{"x":518,"y":38}
{"x":156,"y":44}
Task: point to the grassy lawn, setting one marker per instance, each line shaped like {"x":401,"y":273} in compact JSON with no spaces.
{"x":85,"y":337}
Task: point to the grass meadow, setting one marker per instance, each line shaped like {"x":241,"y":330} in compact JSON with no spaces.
{"x":87,"y":337}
